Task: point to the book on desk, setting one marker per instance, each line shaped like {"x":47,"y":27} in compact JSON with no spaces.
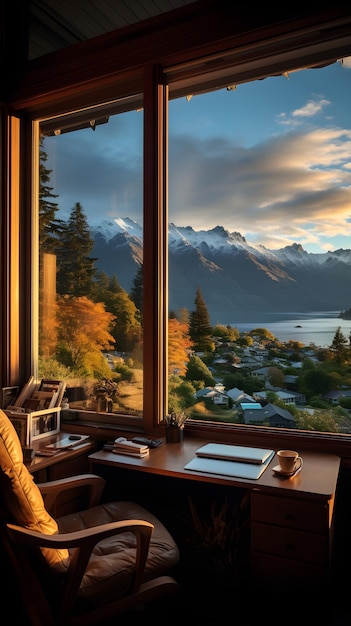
{"x":231,"y":460}
{"x":124,"y":446}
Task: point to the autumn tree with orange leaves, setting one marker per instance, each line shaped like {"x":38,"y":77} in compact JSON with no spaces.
{"x":83,"y":333}
{"x":179,"y":344}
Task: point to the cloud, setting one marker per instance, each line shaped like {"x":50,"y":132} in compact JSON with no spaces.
{"x":102,"y":170}
{"x":294,"y":187}
{"x":273,"y":187}
{"x":311,"y":108}
{"x":308,"y":110}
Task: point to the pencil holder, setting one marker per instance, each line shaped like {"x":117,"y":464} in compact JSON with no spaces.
{"x":174,"y":434}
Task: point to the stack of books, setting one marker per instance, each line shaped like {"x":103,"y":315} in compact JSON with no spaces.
{"x":125,"y":446}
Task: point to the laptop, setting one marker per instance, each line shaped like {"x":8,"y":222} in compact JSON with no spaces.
{"x":233,"y":469}
{"x":229,"y":452}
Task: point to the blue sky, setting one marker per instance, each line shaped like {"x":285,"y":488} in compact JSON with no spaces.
{"x":270,"y":159}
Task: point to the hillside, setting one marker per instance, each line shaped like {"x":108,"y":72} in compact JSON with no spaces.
{"x":239,"y":281}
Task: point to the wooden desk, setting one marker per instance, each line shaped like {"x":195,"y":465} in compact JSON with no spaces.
{"x":291,"y":519}
{"x":61,"y":464}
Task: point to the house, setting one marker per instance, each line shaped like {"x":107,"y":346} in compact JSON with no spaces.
{"x":220,"y":361}
{"x":261,"y":352}
{"x":288,"y":397}
{"x":221,"y":399}
{"x":250,"y":406}
{"x":333,"y":397}
{"x":262,"y":373}
{"x":290,"y":379}
{"x":236,"y":394}
{"x":206,"y":392}
{"x":216,"y":394}
{"x":250,"y":360}
{"x":270,"y":414}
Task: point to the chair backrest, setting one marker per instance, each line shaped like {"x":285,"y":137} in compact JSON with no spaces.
{"x":21,"y":497}
{"x":53,"y":582}
{"x":21,"y":503}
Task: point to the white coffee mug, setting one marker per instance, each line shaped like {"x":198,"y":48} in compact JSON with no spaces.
{"x":289,"y":461}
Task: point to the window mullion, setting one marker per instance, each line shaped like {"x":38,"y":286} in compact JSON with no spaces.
{"x":10,"y":240}
{"x":155,"y":307}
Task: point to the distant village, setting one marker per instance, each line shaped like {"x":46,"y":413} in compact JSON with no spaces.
{"x":257,"y":362}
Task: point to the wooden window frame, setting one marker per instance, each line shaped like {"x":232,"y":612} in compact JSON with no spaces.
{"x":208,"y":52}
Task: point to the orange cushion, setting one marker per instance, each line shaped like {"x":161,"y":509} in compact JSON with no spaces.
{"x":20,"y":494}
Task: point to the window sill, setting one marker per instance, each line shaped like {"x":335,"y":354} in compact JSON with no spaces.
{"x":271,"y":437}
{"x":240,"y":435}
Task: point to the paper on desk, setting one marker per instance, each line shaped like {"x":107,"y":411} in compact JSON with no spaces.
{"x":66,"y":442}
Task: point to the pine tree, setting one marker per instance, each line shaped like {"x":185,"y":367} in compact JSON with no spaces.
{"x":136,"y":293}
{"x":200,"y":329}
{"x":76,"y":269}
{"x":198,"y":370}
{"x":49,"y":226}
{"x":126,"y":329}
{"x":339,"y":346}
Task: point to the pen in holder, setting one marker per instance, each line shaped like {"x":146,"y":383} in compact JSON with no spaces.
{"x":175,"y":427}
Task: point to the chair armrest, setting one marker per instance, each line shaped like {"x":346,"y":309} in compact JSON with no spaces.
{"x":51,"y":490}
{"x":78,"y":538}
{"x":82,"y":543}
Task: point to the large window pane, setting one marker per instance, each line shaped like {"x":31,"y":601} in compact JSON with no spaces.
{"x":259,"y":252}
{"x":91,"y":260}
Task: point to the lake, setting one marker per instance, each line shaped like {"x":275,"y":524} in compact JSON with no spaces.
{"x":317,"y":328}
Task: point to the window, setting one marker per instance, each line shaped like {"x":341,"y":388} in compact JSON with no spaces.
{"x":259,"y":239}
{"x":187,"y":70}
{"x":91,"y":259}
{"x":252,"y":173}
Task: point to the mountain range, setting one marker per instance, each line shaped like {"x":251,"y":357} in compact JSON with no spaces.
{"x":239,"y":281}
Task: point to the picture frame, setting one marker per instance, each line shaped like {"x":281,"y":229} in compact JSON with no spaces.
{"x":21,"y":426}
{"x":34,"y":425}
{"x":8,"y":396}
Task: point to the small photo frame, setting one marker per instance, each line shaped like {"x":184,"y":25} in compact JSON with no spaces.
{"x":8,"y":396}
{"x":21,"y":426}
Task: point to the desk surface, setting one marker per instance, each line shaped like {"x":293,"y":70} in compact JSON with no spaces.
{"x":41,"y":462}
{"x":317,"y":479}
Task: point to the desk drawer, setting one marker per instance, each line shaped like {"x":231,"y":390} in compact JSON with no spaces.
{"x":299,"y":514}
{"x":289,"y":543}
{"x":268,"y":570}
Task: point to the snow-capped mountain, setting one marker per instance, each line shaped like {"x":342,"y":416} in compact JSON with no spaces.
{"x":239,"y":281}
{"x":112,"y":227}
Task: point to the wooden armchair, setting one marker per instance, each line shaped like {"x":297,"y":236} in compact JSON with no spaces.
{"x":84,"y":567}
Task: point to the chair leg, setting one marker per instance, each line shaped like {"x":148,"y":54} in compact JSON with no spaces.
{"x":157,"y":588}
